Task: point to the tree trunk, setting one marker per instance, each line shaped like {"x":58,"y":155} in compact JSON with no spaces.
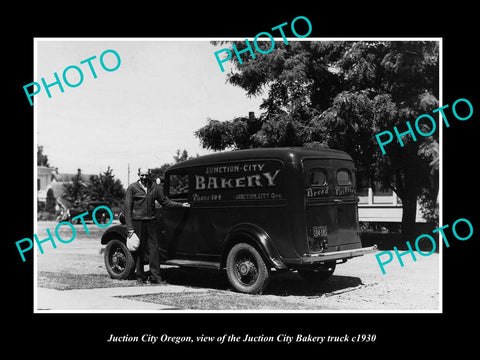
{"x":409,"y":212}
{"x":409,"y":205}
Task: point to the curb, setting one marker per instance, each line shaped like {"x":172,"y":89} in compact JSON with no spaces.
{"x":104,"y":299}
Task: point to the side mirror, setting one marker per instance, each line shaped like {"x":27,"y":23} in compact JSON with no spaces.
{"x":121,"y":217}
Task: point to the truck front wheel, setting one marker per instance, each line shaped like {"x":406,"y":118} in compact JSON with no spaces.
{"x":118,"y":260}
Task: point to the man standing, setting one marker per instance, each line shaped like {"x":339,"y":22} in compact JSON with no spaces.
{"x":140,"y":219}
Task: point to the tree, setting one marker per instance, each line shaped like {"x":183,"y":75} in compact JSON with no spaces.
{"x":237,"y":133}
{"x":42,"y":159}
{"x":339,"y":95}
{"x":387,"y":84}
{"x":106,"y":188}
{"x":181,"y":156}
{"x":77,"y":190}
{"x":50,"y":202}
{"x":178,"y":157}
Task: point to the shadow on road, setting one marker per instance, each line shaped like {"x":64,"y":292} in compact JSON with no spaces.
{"x":281,"y":284}
{"x":293,"y":284}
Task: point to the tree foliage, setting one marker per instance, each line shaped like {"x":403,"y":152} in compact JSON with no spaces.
{"x":42,"y":159}
{"x":178,"y":157}
{"x":101,"y":187}
{"x":76,"y":190}
{"x":339,"y":95}
{"x":105,"y":187}
{"x":50,"y":202}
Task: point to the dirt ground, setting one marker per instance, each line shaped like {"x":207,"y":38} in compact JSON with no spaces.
{"x":357,"y":285}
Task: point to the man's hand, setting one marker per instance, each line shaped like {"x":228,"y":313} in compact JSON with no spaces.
{"x":130,"y":233}
{"x":187,"y":205}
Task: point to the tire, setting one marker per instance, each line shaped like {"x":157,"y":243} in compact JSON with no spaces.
{"x":246,"y":269}
{"x":118,"y":260}
{"x":101,"y":217}
{"x":318,"y":275}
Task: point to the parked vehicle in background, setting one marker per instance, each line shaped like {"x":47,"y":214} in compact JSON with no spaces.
{"x":71,"y":210}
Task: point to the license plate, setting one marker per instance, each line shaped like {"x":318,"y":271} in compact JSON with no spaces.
{"x":319,"y":231}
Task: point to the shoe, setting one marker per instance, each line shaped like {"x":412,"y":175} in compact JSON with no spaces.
{"x":157,"y":281}
{"x":141,"y":280}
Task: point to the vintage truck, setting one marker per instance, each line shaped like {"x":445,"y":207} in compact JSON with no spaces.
{"x":254,"y":212}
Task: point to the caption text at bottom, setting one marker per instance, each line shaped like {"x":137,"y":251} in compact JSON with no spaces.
{"x":247,"y":338}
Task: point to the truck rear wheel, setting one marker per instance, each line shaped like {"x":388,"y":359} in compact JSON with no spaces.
{"x":118,"y":260}
{"x":246,"y":269}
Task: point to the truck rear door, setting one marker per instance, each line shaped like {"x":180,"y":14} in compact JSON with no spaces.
{"x":331,"y":205}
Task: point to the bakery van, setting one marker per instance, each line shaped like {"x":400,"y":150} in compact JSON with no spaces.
{"x":254,"y":212}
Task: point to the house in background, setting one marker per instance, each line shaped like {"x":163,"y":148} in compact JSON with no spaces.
{"x":50,"y":178}
{"x":44,"y":179}
{"x":379,"y":205}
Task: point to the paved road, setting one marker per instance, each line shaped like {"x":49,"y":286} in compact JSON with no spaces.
{"x":357,"y":285}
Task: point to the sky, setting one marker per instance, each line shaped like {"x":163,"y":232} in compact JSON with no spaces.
{"x":138,"y":115}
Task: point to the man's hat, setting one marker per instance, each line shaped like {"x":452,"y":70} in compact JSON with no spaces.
{"x":144,"y":170}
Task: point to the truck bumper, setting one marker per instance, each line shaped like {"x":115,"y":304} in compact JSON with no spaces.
{"x":337,"y":255}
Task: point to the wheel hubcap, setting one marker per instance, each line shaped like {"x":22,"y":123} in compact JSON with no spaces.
{"x":118,"y":261}
{"x":246,"y":271}
{"x":245,"y":268}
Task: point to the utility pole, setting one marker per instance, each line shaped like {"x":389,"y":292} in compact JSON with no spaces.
{"x":128,"y":175}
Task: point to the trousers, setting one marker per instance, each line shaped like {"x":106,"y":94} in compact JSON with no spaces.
{"x":146,"y":230}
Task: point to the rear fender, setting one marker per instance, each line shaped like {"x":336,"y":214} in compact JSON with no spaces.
{"x":256,"y":236}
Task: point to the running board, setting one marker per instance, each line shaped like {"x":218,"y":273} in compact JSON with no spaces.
{"x":194,"y":263}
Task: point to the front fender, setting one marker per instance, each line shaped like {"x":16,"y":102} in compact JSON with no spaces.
{"x":258,"y":237}
{"x":118,"y":232}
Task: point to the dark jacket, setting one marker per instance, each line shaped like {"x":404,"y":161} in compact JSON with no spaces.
{"x":141,"y":206}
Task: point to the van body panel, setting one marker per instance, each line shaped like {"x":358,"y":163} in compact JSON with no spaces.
{"x":296,"y":205}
